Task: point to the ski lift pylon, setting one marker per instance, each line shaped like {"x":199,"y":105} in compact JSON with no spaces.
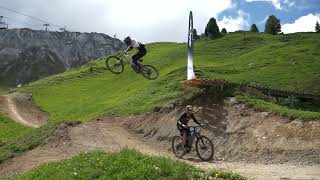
{"x":3,"y":25}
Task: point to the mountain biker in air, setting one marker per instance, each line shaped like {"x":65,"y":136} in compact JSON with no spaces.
{"x":182,"y":125}
{"x":132,"y":43}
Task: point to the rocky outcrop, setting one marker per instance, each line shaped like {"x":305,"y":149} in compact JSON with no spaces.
{"x":27,"y":55}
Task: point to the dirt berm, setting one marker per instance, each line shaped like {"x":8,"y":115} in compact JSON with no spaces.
{"x":239,"y":133}
{"x":256,"y":144}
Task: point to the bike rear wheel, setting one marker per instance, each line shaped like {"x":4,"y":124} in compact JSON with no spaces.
{"x":149,"y":72}
{"x":204,"y":148}
{"x":114,"y":64}
{"x":177,"y":146}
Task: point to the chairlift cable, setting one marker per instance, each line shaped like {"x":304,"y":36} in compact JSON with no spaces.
{"x":17,"y":12}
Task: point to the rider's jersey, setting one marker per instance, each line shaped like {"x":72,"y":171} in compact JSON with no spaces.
{"x":184,"y":118}
{"x":136,"y":44}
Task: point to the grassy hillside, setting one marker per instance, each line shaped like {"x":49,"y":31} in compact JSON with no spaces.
{"x":289,"y":62}
{"x":10,"y":130}
{"x":80,"y":94}
{"x":127,"y":164}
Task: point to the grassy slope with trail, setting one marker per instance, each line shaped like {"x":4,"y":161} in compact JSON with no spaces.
{"x":257,"y":59}
{"x":289,"y":62}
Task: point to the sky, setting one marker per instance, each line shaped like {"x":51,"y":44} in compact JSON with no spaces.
{"x":159,"y":20}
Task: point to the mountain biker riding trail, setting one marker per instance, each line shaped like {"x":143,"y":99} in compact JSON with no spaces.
{"x":132,"y":43}
{"x":182,"y":125}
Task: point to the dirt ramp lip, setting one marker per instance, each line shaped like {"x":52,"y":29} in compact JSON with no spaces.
{"x":21,"y":108}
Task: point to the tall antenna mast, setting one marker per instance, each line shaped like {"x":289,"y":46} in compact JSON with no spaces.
{"x":190,"y":72}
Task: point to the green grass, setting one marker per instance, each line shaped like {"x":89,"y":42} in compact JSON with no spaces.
{"x":80,"y":94}
{"x":18,"y":139}
{"x":271,"y":107}
{"x":288,"y":62}
{"x":127,"y":164}
{"x":257,"y":59}
{"x":4,"y":90}
{"x":10,"y":130}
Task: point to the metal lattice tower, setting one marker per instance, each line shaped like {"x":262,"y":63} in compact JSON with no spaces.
{"x":46,"y":25}
{"x":3,"y":25}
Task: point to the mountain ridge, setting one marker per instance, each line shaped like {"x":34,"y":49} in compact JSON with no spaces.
{"x":27,"y":55}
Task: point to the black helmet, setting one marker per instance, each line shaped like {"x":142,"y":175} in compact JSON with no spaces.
{"x":127,"y":40}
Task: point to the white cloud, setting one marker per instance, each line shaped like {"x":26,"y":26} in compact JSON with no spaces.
{"x":275,"y":3}
{"x":234,"y":24}
{"x":289,"y":3}
{"x":148,"y":21}
{"x":303,"y":24}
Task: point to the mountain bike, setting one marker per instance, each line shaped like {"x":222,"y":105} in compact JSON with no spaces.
{"x":116,"y":65}
{"x":204,"y":146}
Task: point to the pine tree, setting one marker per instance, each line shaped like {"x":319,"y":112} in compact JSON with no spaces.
{"x":254,"y":28}
{"x":224,"y":31}
{"x":212,"y":29}
{"x":273,"y":25}
{"x":317,"y":27}
{"x":195,"y":34}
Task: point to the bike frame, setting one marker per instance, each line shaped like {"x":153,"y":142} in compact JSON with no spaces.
{"x":194,"y":134}
{"x":127,"y":57}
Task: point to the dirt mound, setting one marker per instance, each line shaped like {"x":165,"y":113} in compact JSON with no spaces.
{"x":71,"y":139}
{"x":109,"y":134}
{"x":21,"y":108}
{"x":239,"y":133}
{"x":254,"y":139}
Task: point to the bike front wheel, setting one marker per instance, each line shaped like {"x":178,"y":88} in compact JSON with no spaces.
{"x":177,"y":146}
{"x":149,"y":72}
{"x":114,"y":64}
{"x":204,"y":148}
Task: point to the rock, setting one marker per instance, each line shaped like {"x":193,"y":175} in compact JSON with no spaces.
{"x":265,"y":114}
{"x":231,"y":101}
{"x":23,"y":51}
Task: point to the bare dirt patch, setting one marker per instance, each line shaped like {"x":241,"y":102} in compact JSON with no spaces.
{"x":239,"y":133}
{"x":21,"y":108}
{"x":258,"y":145}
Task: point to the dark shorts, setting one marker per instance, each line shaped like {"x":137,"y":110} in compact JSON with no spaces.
{"x":183,"y":129}
{"x":141,"y":52}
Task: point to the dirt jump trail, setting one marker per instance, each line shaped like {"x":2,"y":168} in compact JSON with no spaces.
{"x":255,"y":144}
{"x":111,"y":134}
{"x":21,"y":108}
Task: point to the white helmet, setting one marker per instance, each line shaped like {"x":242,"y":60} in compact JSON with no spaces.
{"x":189,"y":108}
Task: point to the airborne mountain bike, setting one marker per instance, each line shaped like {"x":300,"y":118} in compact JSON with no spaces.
{"x":204,"y":146}
{"x":116,"y":65}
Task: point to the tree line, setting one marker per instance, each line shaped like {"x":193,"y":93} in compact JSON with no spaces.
{"x":272,"y":26}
